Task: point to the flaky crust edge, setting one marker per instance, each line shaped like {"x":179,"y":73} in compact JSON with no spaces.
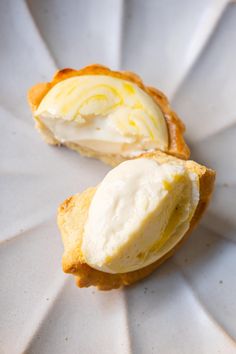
{"x":177,"y":146}
{"x":86,"y":276}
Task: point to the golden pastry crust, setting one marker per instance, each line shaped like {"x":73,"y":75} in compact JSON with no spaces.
{"x":176,"y":128}
{"x":72,"y":215}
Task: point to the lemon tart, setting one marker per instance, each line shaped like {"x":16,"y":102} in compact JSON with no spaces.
{"x":106,"y":114}
{"x":120,"y":231}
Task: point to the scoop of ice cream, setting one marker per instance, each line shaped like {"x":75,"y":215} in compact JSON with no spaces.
{"x":140,"y":210}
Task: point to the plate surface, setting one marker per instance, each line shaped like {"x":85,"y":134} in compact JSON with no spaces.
{"x":187,"y":49}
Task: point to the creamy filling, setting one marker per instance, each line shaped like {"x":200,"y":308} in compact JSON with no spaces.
{"x":98,"y":134}
{"x":105,"y":114}
{"x":138,"y":213}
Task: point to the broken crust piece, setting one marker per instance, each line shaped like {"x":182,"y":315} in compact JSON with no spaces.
{"x":73,"y":213}
{"x":175,"y":127}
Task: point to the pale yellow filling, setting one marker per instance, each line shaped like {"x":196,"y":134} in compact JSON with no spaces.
{"x":138,"y":213}
{"x":97,"y":111}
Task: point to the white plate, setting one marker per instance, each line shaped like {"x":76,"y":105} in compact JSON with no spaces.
{"x":188,"y":49}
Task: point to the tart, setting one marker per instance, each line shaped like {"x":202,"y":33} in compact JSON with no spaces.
{"x":119,"y":232}
{"x":109,"y":115}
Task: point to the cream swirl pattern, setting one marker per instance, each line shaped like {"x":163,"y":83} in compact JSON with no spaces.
{"x":104,"y":113}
